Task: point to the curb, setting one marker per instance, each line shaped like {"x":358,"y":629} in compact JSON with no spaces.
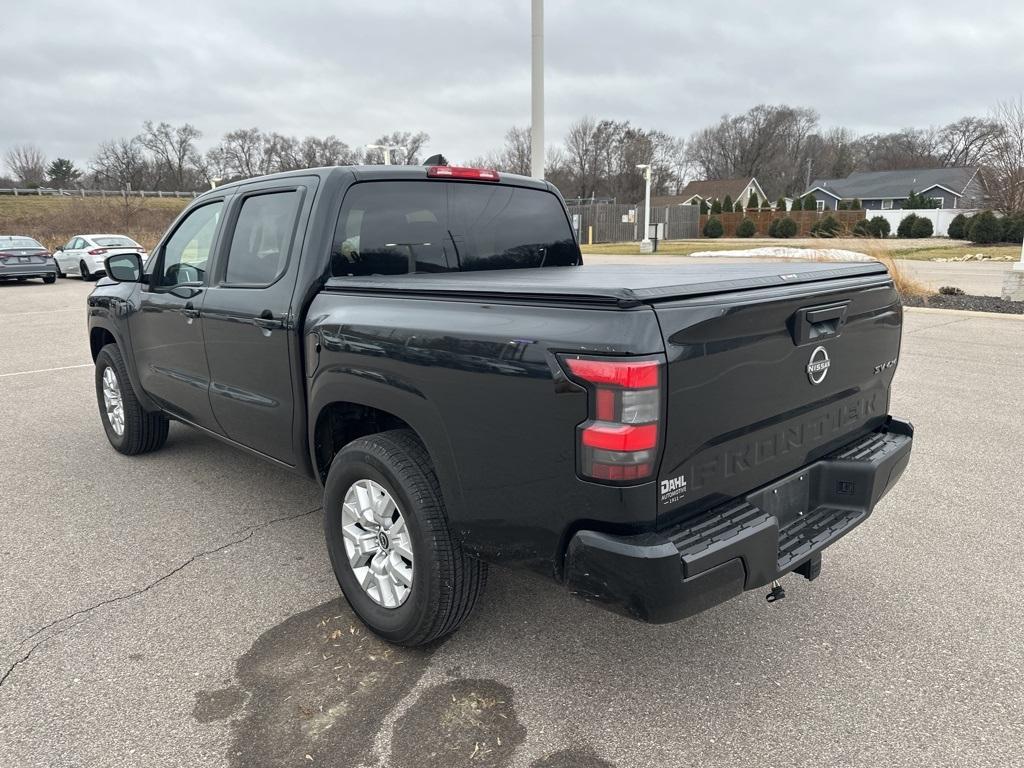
{"x":964,"y":313}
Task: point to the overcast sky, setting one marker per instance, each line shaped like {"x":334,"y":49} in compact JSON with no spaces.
{"x":76,"y":73}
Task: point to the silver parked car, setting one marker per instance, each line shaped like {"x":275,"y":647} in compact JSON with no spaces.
{"x":23,"y":257}
{"x":84,"y":255}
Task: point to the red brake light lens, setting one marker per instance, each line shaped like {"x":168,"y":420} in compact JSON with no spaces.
{"x":458,"y":172}
{"x":619,"y":442}
{"x":98,"y":251}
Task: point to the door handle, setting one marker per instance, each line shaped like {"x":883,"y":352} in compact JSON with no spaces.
{"x":266,"y":321}
{"x":190,"y":310}
{"x":813,"y":323}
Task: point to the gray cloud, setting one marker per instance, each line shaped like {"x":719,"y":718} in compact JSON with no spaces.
{"x":460,"y":70}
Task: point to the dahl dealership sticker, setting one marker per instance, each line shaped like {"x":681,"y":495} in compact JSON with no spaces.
{"x":673,"y":489}
{"x":817,"y":367}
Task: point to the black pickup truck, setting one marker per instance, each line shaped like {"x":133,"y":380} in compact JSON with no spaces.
{"x":427,"y":344}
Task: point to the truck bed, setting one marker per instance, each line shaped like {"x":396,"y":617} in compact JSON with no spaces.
{"x":621,"y":285}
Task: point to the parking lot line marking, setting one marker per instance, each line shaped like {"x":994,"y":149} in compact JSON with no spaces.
{"x":45,"y":370}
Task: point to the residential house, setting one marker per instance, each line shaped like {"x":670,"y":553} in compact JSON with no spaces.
{"x":714,"y":189}
{"x":887,"y":190}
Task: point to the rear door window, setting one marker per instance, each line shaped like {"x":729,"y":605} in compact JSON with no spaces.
{"x":262,"y":238}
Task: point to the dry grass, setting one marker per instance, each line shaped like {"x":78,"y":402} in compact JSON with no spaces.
{"x":55,"y":220}
{"x":906,"y":285}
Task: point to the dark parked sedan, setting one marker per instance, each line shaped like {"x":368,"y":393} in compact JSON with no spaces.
{"x":23,"y":257}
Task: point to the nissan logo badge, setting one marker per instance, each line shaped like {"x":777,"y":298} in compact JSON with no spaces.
{"x":817,"y":366}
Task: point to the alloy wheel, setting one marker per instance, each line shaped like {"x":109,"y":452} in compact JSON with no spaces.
{"x":378,"y":543}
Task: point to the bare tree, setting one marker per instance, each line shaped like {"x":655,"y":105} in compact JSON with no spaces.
{"x":969,"y":141}
{"x":330,"y":150}
{"x":28,"y":163}
{"x":1004,"y":174}
{"x":240,"y":154}
{"x":413,"y":144}
{"x":121,"y":163}
{"x":174,"y":150}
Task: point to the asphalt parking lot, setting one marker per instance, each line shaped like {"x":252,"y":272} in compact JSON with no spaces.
{"x":179,"y":609}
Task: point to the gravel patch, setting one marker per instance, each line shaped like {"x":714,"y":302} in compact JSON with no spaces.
{"x":968,"y":302}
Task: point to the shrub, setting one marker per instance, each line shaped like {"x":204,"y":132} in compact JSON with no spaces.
{"x":1013,"y":228}
{"x":727,"y":204}
{"x":862,"y":229}
{"x":879,"y":226}
{"x":716,"y":207}
{"x":746,"y":228}
{"x":714,"y":227}
{"x":738,"y":208}
{"x":753,"y":202}
{"x":773,"y":228}
{"x":780,"y":204}
{"x":787,"y":227}
{"x":826,"y":227}
{"x":765,"y":205}
{"x":957,"y":228}
{"x":906,"y":227}
{"x":985,"y":228}
{"x":842,"y":205}
{"x":922,"y":228}
{"x":916,"y":202}
{"x":809,"y":203}
{"x":704,"y":208}
{"x":949,"y":290}
{"x":855,"y":205}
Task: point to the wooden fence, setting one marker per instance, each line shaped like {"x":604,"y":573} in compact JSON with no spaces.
{"x":763,"y":219}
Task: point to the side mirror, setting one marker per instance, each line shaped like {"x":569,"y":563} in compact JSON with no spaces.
{"x":58,"y":249}
{"x":124,"y":268}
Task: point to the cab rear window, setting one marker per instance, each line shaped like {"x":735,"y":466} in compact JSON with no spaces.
{"x":397,"y":227}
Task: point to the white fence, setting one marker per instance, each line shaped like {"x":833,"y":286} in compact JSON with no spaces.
{"x":939,"y":217}
{"x":49,"y":192}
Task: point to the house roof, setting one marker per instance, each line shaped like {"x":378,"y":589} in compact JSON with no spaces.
{"x":715,"y":188}
{"x":874,"y":185}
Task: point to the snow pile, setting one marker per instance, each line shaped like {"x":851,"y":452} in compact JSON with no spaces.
{"x":781,"y":252}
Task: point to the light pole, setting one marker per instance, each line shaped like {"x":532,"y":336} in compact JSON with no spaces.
{"x":537,"y":92}
{"x":387,"y":149}
{"x":646,"y":246}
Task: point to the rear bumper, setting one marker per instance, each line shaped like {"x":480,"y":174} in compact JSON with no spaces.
{"x":28,"y":270}
{"x":743,"y":544}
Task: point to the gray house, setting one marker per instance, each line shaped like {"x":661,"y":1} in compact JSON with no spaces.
{"x":887,"y":190}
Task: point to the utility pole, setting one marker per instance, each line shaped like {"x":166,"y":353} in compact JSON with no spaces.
{"x":537,"y":92}
{"x":646,"y":246}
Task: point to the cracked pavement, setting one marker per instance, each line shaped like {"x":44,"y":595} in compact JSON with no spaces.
{"x":179,"y":609}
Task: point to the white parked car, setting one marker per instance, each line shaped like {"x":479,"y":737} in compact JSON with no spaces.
{"x":84,"y":254}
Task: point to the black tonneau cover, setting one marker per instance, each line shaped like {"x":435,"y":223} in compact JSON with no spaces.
{"x":619,"y":284}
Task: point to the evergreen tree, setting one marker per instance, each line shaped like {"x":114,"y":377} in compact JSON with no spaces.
{"x":716,"y":208}
{"x":727,"y":205}
{"x":754,"y":202}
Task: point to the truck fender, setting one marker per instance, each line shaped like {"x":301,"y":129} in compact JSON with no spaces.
{"x":399,"y":398}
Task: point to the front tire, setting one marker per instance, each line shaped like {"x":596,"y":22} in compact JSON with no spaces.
{"x":130,"y":428}
{"x":83,"y":272}
{"x":433,"y":587}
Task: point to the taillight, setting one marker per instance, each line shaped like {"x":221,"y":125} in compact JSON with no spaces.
{"x":457,"y":172}
{"x":619,"y":442}
{"x":98,"y":251}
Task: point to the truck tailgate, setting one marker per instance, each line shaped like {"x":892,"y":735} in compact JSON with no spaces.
{"x":762,"y":382}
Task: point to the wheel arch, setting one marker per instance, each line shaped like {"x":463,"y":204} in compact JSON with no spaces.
{"x":340,"y":415}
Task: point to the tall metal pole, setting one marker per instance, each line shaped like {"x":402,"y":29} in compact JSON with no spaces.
{"x":537,"y":111}
{"x":646,"y":246}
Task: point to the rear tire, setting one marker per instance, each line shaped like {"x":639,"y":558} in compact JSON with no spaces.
{"x":83,"y":271}
{"x":49,"y":279}
{"x":133,"y":430}
{"x":446,"y":582}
